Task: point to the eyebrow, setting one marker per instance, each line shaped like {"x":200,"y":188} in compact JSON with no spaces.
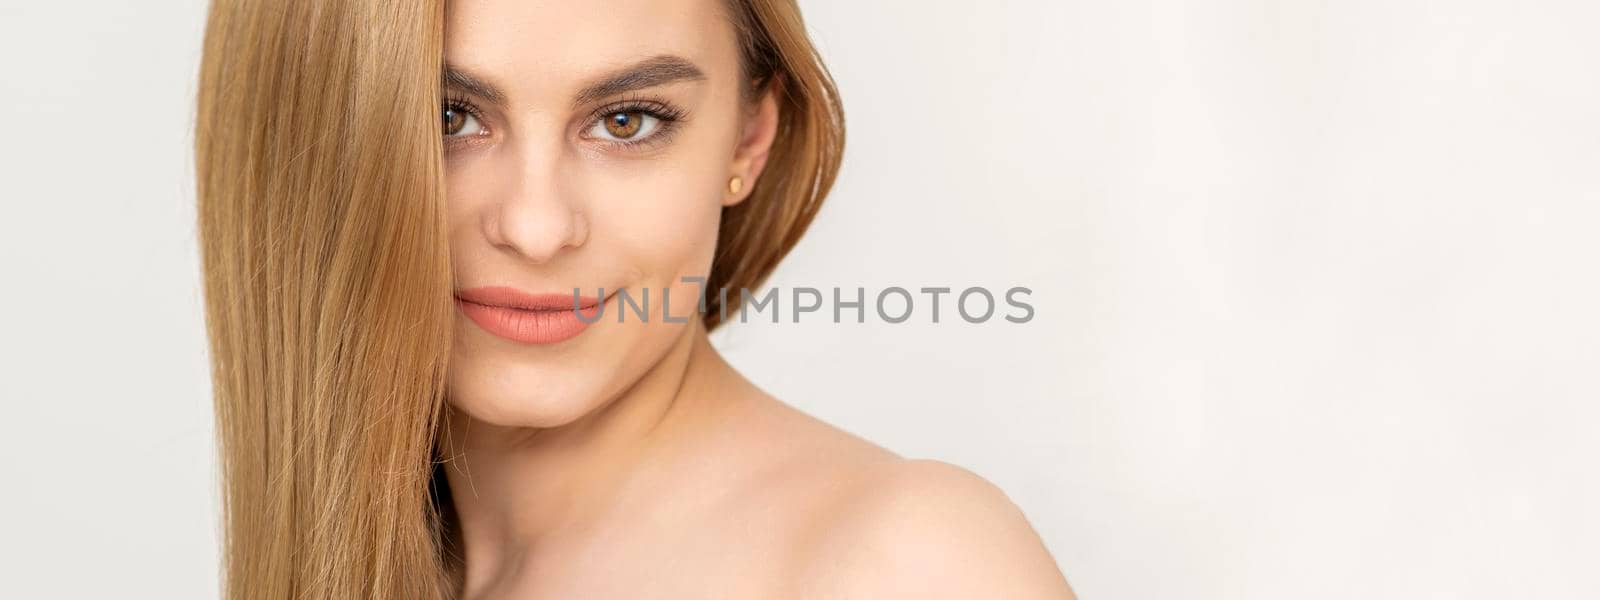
{"x":458,"y":78}
{"x":648,"y":73}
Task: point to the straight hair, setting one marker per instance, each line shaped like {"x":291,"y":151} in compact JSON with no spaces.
{"x":325,"y":254}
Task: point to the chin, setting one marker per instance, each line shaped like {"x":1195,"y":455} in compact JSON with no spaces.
{"x":524,"y":395}
{"x":505,"y":384}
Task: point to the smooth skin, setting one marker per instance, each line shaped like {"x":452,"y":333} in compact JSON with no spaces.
{"x":590,"y":145}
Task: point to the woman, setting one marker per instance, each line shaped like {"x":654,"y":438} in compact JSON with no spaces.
{"x":401,"y":274}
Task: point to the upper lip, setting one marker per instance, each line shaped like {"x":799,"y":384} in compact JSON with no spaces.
{"x":508,"y":297}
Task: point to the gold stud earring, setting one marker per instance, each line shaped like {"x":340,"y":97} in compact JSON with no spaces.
{"x":736,"y":184}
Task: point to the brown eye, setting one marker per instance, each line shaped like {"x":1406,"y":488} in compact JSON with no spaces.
{"x":458,"y":122}
{"x":624,"y":125}
{"x":627,"y":126}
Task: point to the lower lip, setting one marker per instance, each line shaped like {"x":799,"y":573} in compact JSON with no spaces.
{"x":528,"y":326}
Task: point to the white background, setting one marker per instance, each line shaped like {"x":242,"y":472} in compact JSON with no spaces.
{"x":1315,"y":287}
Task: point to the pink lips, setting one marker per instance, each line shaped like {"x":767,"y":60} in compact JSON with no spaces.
{"x":527,"y":318}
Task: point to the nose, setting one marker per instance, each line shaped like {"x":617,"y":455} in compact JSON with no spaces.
{"x":538,"y":217}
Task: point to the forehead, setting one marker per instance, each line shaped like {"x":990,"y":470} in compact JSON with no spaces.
{"x":530,"y":45}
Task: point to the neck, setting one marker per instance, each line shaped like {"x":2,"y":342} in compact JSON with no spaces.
{"x":513,"y":487}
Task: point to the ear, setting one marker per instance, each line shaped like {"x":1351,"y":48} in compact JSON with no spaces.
{"x":755,"y":142}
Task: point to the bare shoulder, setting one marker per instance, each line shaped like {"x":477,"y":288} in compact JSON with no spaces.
{"x":927,"y":529}
{"x":862,"y":522}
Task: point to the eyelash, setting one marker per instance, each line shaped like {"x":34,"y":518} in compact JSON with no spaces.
{"x":670,"y":116}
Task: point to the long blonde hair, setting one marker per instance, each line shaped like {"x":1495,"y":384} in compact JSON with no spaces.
{"x":319,"y":177}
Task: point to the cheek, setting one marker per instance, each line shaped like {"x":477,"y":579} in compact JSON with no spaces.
{"x":659,"y":221}
{"x":470,"y":185}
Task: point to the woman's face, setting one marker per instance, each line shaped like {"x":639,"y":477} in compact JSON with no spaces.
{"x":588,"y":145}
